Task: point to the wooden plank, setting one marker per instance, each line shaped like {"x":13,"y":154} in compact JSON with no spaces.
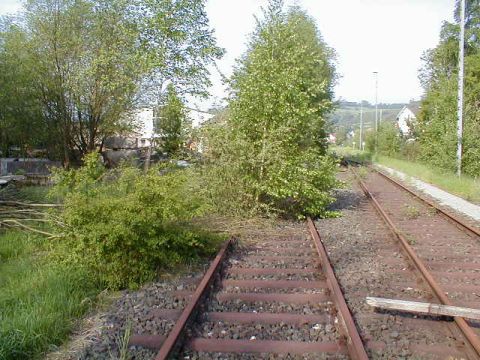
{"x":424,"y":308}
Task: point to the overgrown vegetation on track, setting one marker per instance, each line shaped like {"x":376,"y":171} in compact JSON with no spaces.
{"x":124,"y":225}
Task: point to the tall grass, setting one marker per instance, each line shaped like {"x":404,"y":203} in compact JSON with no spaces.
{"x":39,"y":301}
{"x":465,"y":187}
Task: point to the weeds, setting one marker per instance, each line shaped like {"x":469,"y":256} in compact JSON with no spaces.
{"x":122,"y":343}
{"x":411,"y":212}
{"x":410,"y":239}
{"x":363,"y":172}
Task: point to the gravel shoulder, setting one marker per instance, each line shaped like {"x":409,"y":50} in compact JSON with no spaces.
{"x":454,"y":202}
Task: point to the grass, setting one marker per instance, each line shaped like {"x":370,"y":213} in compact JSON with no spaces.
{"x":39,"y":302}
{"x":465,"y":187}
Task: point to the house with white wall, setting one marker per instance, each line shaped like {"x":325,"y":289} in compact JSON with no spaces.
{"x":408,"y":115}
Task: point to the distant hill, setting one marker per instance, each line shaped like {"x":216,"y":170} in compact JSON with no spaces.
{"x":347,"y":115}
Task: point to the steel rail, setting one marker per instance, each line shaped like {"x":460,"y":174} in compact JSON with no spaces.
{"x":355,"y":345}
{"x":188,"y":313}
{"x":445,"y":213}
{"x":466,"y":330}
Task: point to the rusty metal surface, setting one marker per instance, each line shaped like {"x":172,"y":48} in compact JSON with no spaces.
{"x":290,"y":293}
{"x":276,"y":284}
{"x":268,"y":318}
{"x":177,"y":332}
{"x":271,"y":271}
{"x":437,"y":289}
{"x":284,"y":298}
{"x":265,"y":346}
{"x":354,"y":342}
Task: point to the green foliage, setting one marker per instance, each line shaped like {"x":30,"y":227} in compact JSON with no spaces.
{"x":126,"y":224}
{"x":270,"y":153}
{"x":39,"y":302}
{"x":172,"y":123}
{"x":437,"y":122}
{"x":465,"y":186}
{"x":20,"y":110}
{"x":84,"y":63}
{"x":388,"y":139}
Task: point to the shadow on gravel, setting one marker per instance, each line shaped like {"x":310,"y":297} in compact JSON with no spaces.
{"x":345,"y":199}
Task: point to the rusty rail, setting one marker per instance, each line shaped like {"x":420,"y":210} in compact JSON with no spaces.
{"x":188,"y":313}
{"x":354,"y":342}
{"x":466,"y":330}
{"x":445,"y":213}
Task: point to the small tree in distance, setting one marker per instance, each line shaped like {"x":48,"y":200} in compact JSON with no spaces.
{"x":172,"y":123}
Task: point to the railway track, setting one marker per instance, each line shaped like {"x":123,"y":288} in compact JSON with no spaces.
{"x":443,"y":250}
{"x":279,"y":298}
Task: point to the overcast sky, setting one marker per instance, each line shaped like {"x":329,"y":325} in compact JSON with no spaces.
{"x":388,"y":36}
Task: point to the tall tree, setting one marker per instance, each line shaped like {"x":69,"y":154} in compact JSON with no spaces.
{"x":91,"y":57}
{"x":20,"y":110}
{"x":281,"y":92}
{"x":437,"y":123}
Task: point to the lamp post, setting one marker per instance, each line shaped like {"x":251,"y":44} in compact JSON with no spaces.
{"x":375,"y":74}
{"x":361,"y":125}
{"x":460,"y":88}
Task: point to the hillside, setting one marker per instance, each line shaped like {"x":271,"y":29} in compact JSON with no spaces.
{"x":347,"y":115}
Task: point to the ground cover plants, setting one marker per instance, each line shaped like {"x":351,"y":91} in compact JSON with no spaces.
{"x":39,"y":300}
{"x":124,"y":225}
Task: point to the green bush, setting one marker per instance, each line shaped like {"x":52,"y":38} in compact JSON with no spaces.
{"x":125,"y":225}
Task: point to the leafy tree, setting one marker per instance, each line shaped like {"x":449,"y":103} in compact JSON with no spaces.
{"x":172,"y":122}
{"x":20,"y":110}
{"x":273,"y":144}
{"x":437,"y":122}
{"x":89,"y":60}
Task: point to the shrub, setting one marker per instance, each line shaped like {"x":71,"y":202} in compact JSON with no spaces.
{"x":124,"y":225}
{"x":269,"y":154}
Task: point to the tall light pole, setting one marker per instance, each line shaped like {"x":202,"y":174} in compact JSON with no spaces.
{"x":375,"y":73}
{"x":361,"y":125}
{"x":460,"y":88}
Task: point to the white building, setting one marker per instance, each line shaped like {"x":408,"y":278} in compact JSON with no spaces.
{"x":198,"y":117}
{"x":408,"y":115}
{"x":144,"y":122}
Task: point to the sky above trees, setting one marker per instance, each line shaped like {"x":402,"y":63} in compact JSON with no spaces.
{"x":388,"y":36}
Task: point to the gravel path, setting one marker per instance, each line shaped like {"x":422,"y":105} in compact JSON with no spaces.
{"x":444,"y":198}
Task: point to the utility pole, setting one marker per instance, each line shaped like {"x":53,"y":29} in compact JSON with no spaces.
{"x":375,"y":73}
{"x":361,"y":125}
{"x":460,"y":88}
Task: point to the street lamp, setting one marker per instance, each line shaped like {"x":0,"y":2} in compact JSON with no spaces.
{"x":361,"y":125}
{"x":375,"y":74}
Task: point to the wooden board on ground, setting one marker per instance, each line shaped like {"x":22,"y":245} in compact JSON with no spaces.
{"x":423,"y":308}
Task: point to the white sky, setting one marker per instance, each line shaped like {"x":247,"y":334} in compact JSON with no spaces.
{"x":388,"y":36}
